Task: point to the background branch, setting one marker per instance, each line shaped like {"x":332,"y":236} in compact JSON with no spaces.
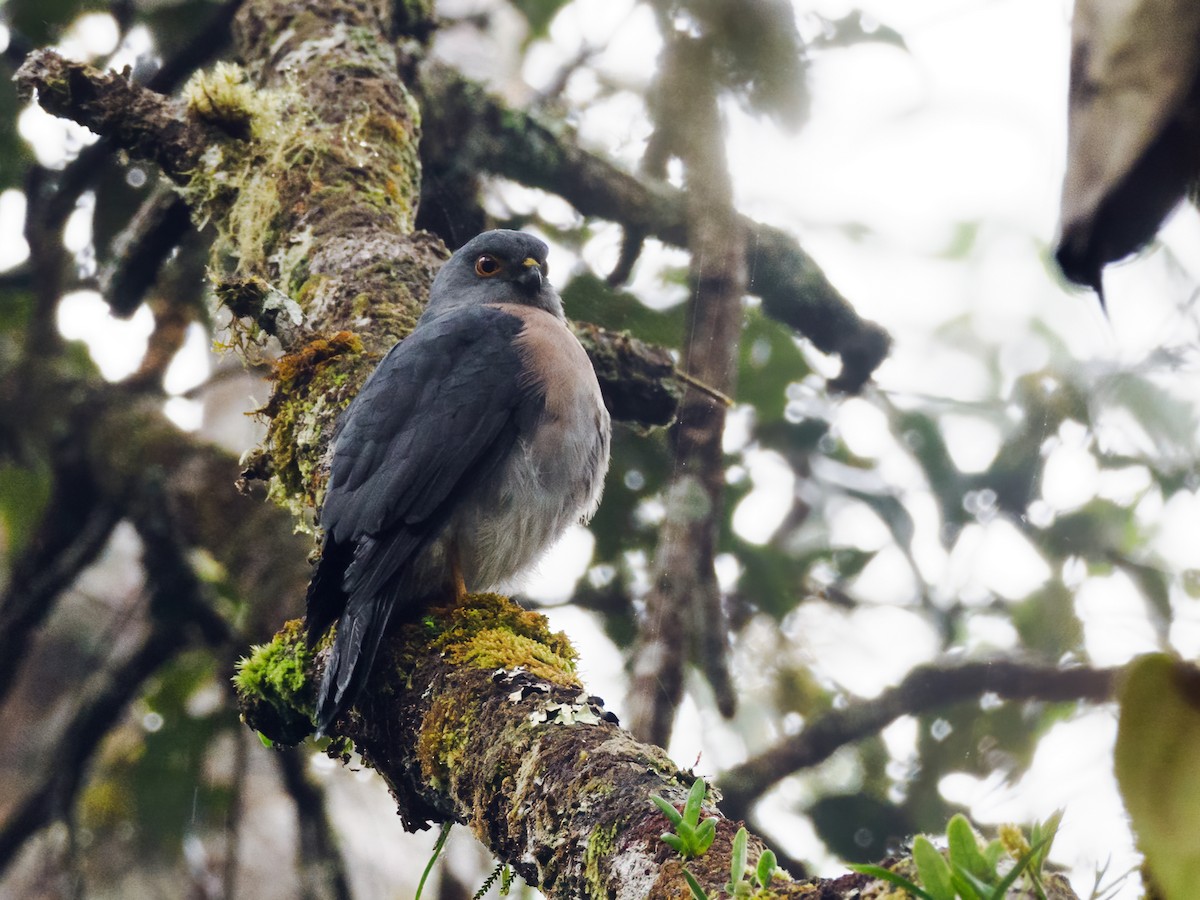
{"x":924,"y":688}
{"x":684,"y":615}
{"x":518,"y":145}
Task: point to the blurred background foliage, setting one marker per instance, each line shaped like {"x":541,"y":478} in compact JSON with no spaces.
{"x":1020,"y":481}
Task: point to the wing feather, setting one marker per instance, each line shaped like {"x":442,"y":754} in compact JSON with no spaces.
{"x":433,"y":420}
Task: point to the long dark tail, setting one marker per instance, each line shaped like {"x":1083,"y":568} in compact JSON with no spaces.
{"x":357,"y":585}
{"x":355,"y":644}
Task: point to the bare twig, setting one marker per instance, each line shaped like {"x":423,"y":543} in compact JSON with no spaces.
{"x":924,"y":688}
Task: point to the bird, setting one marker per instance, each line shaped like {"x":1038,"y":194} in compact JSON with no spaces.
{"x":473,"y":445}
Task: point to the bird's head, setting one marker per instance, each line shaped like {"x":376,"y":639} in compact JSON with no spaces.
{"x":495,"y":267}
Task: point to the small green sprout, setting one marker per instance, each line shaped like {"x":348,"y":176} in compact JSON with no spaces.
{"x":968,"y":871}
{"x":738,"y":885}
{"x":691,"y":837}
{"x":502,"y":872}
{"x":437,"y":851}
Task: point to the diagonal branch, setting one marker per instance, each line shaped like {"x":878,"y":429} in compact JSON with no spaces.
{"x":489,"y":136}
{"x":145,"y":123}
{"x":924,"y":688}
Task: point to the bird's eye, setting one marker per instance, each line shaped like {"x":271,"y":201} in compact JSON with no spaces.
{"x":487,"y":266}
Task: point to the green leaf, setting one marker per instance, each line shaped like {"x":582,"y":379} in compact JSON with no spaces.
{"x":769,"y":362}
{"x":1046,"y":621}
{"x":590,"y":299}
{"x":1042,"y":836}
{"x":687,"y":834}
{"x":539,"y":14}
{"x":437,"y":851}
{"x":933,"y":869}
{"x":697,"y":891}
{"x":737,"y":857}
{"x":667,"y":809}
{"x":968,"y":886}
{"x":993,"y":853}
{"x":766,"y":868}
{"x":1158,"y":768}
{"x":1014,"y":873}
{"x":673,"y":842}
{"x":695,"y":801}
{"x":24,"y":493}
{"x":964,"y":848}
{"x":891,"y":878}
{"x":705,"y":834}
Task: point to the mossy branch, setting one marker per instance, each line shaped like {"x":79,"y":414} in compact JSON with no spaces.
{"x":475,"y":714}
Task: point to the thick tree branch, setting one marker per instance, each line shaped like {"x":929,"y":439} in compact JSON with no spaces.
{"x":924,"y":688}
{"x":476,"y":716}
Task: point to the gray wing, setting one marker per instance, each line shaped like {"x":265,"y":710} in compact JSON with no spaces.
{"x":432,"y":421}
{"x":435,"y":415}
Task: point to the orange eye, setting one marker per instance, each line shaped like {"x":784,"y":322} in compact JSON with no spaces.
{"x":487,"y":266}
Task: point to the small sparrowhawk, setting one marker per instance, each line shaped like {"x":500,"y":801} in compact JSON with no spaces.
{"x":469,"y":450}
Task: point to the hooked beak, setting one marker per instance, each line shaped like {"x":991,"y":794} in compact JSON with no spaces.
{"x":531,"y":275}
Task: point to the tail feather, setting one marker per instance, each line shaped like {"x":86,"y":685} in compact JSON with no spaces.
{"x":353,"y":654}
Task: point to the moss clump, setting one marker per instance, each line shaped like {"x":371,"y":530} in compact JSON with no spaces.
{"x":443,"y":739}
{"x":489,"y":631}
{"x":273,"y":686}
{"x":600,"y":845}
{"x":223,"y":97}
{"x":307,"y":383}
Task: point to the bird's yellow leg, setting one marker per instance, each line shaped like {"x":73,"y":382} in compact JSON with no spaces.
{"x":460,"y":586}
{"x":456,"y":576}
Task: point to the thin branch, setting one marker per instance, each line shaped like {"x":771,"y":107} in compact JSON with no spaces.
{"x":488,"y":136}
{"x":923,"y":689}
{"x":141,"y":248}
{"x":147,"y":124}
{"x":684,"y":615}
{"x":102,"y":701}
{"x":74,"y":529}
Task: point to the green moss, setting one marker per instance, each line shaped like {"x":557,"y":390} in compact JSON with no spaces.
{"x":600,"y":845}
{"x":489,"y":631}
{"x":273,"y":686}
{"x":223,"y":97}
{"x":308,"y":382}
{"x":443,"y":740}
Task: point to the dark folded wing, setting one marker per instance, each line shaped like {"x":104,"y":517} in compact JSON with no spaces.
{"x":433,"y":419}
